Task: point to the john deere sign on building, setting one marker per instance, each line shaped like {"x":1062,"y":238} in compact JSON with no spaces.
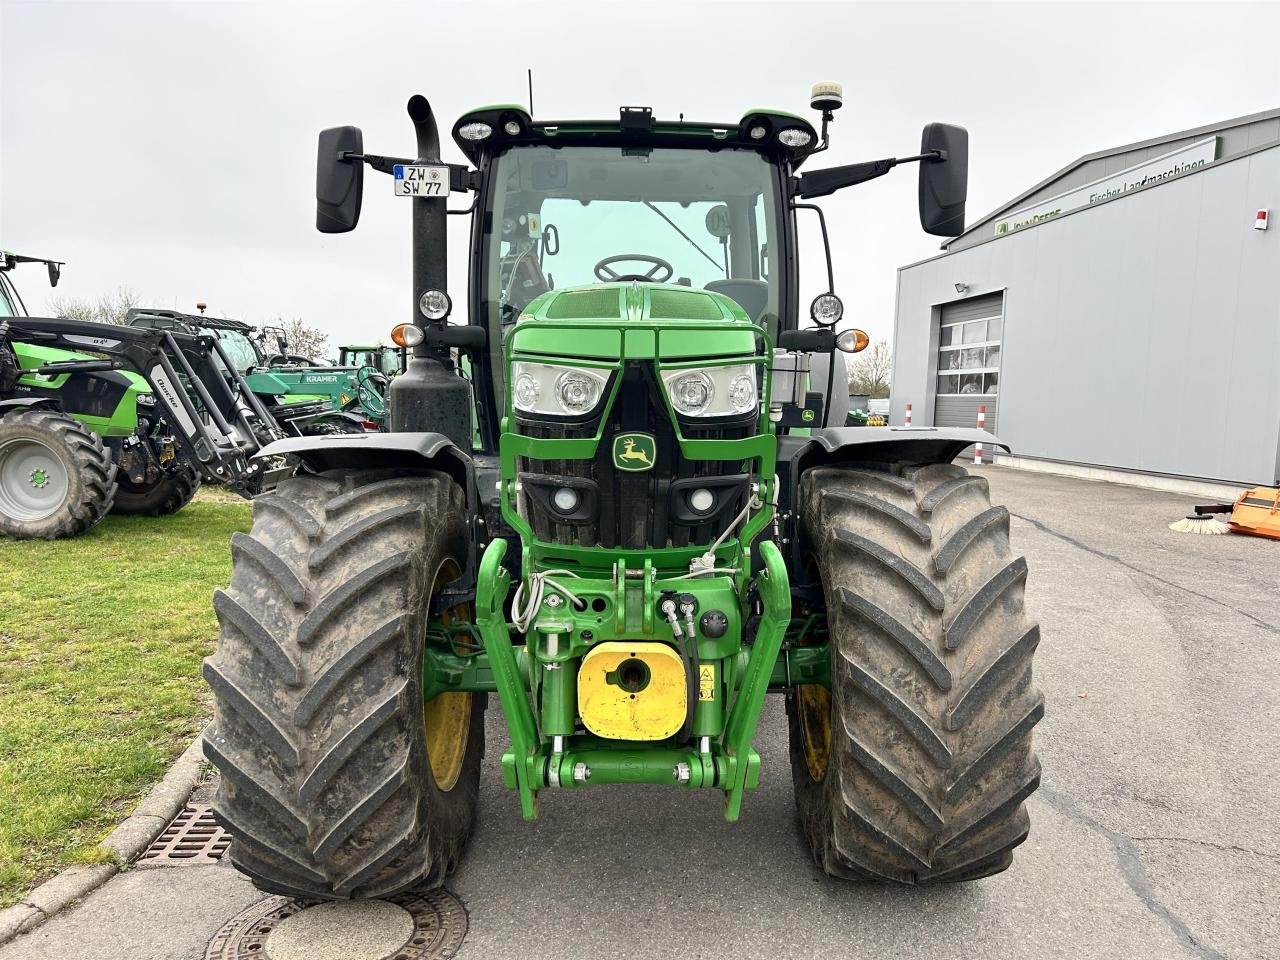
{"x":1121,"y":314}
{"x":1133,"y":178}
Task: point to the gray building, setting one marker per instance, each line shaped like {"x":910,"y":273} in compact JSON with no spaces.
{"x":1123,"y":313}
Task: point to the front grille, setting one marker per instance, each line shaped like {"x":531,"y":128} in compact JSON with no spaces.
{"x":633,"y":510}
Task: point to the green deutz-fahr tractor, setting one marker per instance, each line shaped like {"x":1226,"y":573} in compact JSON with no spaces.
{"x":654,"y":529}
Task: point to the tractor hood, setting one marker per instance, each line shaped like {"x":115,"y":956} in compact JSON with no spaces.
{"x":670,"y":323}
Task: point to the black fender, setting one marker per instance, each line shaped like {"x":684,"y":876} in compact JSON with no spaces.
{"x":918,"y":445}
{"x":22,"y":403}
{"x":831,"y":445}
{"x":376,"y":451}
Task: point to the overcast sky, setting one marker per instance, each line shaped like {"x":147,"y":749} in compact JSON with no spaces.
{"x":170,"y":147}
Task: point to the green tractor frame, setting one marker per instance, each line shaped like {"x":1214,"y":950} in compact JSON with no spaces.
{"x":658,"y":519}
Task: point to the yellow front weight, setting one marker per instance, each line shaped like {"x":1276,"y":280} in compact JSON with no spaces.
{"x":628,"y":690}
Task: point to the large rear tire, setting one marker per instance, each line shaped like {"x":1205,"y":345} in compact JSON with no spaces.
{"x":337,"y":780}
{"x":167,"y":495}
{"x":915,"y":766}
{"x":57,"y":478}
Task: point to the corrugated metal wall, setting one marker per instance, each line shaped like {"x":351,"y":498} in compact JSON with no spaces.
{"x":1143,"y":333}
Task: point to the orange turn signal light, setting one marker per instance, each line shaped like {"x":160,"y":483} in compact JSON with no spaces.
{"x":852,"y":341}
{"x":406,"y":335}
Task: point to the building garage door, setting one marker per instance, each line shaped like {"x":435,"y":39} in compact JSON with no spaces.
{"x":969,"y":361}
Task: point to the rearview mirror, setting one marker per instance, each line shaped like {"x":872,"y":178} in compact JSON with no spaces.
{"x":944,"y":182}
{"x":55,"y":271}
{"x":339,"y":181}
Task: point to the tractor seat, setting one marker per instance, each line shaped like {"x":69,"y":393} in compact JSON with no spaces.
{"x":751,"y":295}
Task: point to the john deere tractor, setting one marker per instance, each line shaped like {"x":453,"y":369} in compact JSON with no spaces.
{"x":662,"y":519}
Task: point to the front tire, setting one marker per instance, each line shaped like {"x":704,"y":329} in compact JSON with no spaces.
{"x":57,"y":478}
{"x":915,"y":766}
{"x":337,"y":780}
{"x":169,"y":494}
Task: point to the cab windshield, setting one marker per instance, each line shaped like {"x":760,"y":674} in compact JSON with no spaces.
{"x":572,"y":216}
{"x":239,"y":349}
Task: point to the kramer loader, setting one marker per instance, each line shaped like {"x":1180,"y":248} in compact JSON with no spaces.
{"x":660,"y":518}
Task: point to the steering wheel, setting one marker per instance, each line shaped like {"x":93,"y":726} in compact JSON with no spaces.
{"x":371,"y":388}
{"x":606,"y":274}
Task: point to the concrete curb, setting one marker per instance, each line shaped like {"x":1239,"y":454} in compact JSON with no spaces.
{"x":124,"y":843}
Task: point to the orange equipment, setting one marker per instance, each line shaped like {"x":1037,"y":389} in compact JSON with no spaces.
{"x":1257,"y":511}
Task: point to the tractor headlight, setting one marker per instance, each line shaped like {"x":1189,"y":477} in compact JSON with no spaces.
{"x":556,"y":389}
{"x":146,"y":399}
{"x":713,"y":391}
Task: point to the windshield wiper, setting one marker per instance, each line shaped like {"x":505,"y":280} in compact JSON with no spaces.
{"x":692,"y":242}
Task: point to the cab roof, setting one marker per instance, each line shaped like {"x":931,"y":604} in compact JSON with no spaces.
{"x":757,"y":129}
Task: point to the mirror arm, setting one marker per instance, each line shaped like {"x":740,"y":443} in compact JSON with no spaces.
{"x":821,"y":183}
{"x":461,"y":177}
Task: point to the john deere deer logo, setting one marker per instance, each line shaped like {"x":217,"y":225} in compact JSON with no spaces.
{"x":633,"y":451}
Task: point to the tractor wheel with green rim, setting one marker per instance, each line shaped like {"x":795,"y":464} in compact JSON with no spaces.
{"x":338,"y":781}
{"x":169,"y":494}
{"x":914,"y":767}
{"x":57,"y":478}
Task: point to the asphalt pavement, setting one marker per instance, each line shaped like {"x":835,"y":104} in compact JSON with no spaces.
{"x":1156,"y":833}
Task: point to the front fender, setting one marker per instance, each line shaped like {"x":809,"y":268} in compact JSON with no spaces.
{"x":374,"y":451}
{"x":909,"y":444}
{"x":23,"y":403}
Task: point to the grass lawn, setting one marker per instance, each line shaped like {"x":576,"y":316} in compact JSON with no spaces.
{"x":101,"y":639}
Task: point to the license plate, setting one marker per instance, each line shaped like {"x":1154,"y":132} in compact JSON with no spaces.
{"x":420,"y":180}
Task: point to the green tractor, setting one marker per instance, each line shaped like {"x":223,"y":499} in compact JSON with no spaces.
{"x":661,"y":520}
{"x":304,"y":398}
{"x":390,"y":361}
{"x":96,"y":417}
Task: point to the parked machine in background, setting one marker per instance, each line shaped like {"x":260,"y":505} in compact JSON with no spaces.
{"x":637,"y":515}
{"x":303,"y":397}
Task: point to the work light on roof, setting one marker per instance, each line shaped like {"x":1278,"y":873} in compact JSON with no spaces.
{"x":794,"y":137}
{"x":475,"y":131}
{"x":512,"y":128}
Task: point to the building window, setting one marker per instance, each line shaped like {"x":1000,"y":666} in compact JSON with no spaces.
{"x":969,"y":357}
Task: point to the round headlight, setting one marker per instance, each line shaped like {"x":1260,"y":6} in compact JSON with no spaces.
{"x":826,"y":309}
{"x":434,"y":304}
{"x":757,"y":132}
{"x":146,"y":400}
{"x":702,"y":500}
{"x":512,"y":128}
{"x":475,"y":131}
{"x":527,"y":392}
{"x":795,"y":137}
{"x":691,"y":393}
{"x":577,"y":392}
{"x":566,"y":499}
{"x":742,"y":394}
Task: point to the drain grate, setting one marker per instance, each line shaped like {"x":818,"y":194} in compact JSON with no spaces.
{"x":439,"y":924}
{"x":193,"y":837}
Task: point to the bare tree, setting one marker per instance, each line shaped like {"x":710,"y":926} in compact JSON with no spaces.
{"x":872,"y":370}
{"x":109,"y":308}
{"x":304,"y":340}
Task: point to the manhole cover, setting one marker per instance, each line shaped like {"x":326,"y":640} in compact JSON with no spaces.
{"x":193,"y":837}
{"x":438,"y":924}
